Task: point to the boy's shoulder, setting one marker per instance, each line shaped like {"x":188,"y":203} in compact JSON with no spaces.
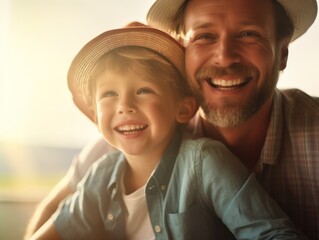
{"x":109,"y":161}
{"x":108,"y":168}
{"x":208,"y":157}
{"x":198,"y":149}
{"x":192,"y":143}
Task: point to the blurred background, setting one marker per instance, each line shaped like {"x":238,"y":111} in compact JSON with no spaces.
{"x":40,"y":128}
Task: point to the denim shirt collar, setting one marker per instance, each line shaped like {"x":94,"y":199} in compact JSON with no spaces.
{"x":162,"y":174}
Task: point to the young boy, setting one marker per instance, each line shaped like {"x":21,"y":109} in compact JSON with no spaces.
{"x":160,"y":185}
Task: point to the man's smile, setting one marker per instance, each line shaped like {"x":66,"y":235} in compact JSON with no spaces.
{"x":223,"y":84}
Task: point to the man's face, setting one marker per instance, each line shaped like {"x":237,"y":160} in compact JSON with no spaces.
{"x":232,"y":57}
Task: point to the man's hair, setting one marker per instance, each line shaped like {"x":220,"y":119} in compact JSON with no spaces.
{"x":143,"y":61}
{"x":284,"y":24}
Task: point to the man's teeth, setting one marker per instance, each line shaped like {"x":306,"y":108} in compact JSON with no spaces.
{"x":227,"y":83}
{"x":131,"y":128}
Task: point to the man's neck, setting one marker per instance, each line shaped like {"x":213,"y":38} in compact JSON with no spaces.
{"x":246,"y":140}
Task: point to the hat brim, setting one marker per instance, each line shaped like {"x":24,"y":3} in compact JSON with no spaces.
{"x":302,"y":13}
{"x":85,"y":60}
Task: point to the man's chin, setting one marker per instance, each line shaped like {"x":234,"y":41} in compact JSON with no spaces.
{"x":227,"y":117}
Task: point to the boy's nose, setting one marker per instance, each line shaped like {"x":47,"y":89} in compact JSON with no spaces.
{"x":126,"y":106}
{"x":122,"y":110}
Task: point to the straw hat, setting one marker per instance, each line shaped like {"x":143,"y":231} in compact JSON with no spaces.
{"x":302,"y":13}
{"x":135,"y":34}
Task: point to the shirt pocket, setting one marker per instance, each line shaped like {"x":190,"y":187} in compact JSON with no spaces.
{"x":196,"y":223}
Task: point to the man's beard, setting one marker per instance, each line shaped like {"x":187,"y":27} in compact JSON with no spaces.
{"x":227,"y":113}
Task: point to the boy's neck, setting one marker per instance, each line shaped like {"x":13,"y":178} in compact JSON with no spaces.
{"x":138,"y":171}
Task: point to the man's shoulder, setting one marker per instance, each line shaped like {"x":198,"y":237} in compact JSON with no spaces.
{"x":299,"y":101}
{"x":297,"y":110}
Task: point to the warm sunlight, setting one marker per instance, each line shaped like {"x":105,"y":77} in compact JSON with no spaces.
{"x":40,"y":128}
{"x":39,"y":40}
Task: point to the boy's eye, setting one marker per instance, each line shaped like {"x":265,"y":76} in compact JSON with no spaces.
{"x":108,"y":94}
{"x":145,"y":91}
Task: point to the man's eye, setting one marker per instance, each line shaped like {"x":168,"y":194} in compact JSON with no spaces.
{"x":145,"y":91}
{"x":205,"y":36}
{"x":202,"y":38}
{"x":249,"y":34}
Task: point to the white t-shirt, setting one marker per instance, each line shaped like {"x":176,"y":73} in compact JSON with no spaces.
{"x":138,"y":224}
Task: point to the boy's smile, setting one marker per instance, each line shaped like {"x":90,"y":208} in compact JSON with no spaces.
{"x":130,"y":128}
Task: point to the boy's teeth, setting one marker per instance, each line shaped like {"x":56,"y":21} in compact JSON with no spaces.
{"x":130,"y":127}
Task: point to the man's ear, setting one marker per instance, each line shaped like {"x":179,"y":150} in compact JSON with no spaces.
{"x":186,"y":109}
{"x":283,"y":56}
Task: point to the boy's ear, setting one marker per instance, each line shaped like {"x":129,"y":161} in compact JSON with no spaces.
{"x":96,"y":123}
{"x":93,"y":115}
{"x":95,"y":120}
{"x":186,"y":109}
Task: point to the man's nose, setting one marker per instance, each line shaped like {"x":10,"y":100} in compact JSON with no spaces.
{"x":225,"y":52}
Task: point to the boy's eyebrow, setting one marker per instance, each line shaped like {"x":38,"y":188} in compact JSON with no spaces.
{"x":103,"y":82}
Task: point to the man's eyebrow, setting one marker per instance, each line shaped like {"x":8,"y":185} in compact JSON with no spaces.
{"x":202,"y":25}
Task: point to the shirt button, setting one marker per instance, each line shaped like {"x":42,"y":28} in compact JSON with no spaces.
{"x":110,"y":216}
{"x":163,"y":187}
{"x":157,"y":229}
{"x":151,"y":190}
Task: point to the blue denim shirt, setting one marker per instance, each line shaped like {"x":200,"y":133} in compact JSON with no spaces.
{"x":199,"y":190}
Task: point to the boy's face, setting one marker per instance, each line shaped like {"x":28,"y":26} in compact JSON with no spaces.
{"x":135,"y":114}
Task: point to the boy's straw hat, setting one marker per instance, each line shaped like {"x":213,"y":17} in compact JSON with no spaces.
{"x":134,"y":34}
{"x":302,"y":13}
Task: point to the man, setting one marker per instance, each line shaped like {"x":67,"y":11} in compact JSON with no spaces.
{"x":235,"y":50}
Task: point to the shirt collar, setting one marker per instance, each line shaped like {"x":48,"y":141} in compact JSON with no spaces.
{"x":165,"y":167}
{"x":273,"y":142}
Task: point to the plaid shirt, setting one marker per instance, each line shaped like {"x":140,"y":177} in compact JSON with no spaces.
{"x":289,"y":163}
